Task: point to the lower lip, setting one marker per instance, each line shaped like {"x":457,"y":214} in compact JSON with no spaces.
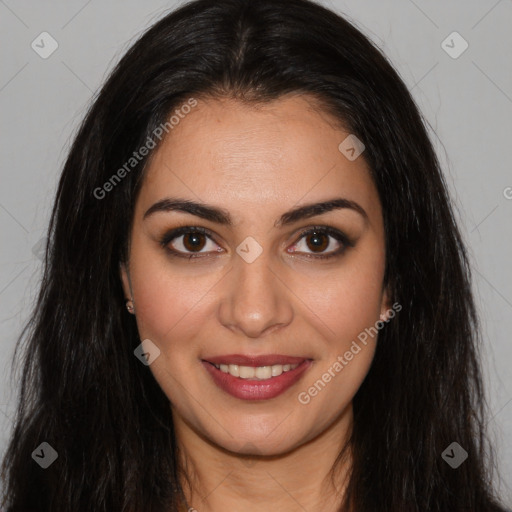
{"x":256,"y":389}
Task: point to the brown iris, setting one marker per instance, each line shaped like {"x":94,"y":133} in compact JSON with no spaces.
{"x":193,"y":241}
{"x":320,"y":241}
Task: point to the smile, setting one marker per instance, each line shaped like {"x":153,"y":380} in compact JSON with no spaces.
{"x":255,"y":373}
{"x":260,"y":378}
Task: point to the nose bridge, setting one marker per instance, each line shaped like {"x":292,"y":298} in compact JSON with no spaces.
{"x":257,"y":300}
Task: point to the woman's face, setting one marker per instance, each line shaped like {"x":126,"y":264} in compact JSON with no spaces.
{"x":256,"y":298}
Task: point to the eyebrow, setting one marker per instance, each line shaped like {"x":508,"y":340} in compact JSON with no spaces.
{"x":223,"y":217}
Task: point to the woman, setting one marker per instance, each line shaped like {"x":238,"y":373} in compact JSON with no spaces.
{"x":255,"y":292}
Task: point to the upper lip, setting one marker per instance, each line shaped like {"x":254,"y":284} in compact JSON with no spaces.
{"x":264,"y":360}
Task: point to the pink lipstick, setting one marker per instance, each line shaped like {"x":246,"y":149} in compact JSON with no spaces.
{"x":255,"y":377}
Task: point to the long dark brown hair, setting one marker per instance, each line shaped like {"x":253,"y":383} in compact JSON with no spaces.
{"x":82,"y":389}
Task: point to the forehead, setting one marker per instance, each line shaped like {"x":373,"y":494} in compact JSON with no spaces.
{"x":271,"y":155}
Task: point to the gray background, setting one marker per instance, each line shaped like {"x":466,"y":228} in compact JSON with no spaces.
{"x":467,"y":101}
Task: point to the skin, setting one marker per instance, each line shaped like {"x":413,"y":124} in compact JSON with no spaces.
{"x":257,"y":163}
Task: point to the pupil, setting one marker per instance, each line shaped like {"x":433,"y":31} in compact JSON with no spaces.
{"x":317,"y":240}
{"x":193,"y":241}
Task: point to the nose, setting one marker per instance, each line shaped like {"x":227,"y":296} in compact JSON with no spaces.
{"x":256,"y":300}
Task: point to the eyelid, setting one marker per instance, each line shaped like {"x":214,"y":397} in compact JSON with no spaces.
{"x":169,"y":236}
{"x":345,"y":241}
{"x":182,"y":230}
{"x":335,"y":233}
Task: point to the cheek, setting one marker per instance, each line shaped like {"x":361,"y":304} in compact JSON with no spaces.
{"x":170,"y":310}
{"x":169,"y":304}
{"x":349,"y":304}
{"x":346,"y":301}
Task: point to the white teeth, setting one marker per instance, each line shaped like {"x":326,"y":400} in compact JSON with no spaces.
{"x":257,"y":373}
{"x":263,"y":372}
{"x":246,"y":372}
{"x":277,"y":369}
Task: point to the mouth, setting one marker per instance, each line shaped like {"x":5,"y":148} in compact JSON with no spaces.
{"x":258,"y":377}
{"x":255,"y":372}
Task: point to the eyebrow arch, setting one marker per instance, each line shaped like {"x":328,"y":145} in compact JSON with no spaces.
{"x":222,"y":216}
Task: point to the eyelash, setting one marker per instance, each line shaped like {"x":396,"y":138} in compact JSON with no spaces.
{"x":185,"y":230}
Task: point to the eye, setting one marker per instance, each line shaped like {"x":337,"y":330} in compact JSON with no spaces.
{"x":192,"y":242}
{"x":321,"y":238}
{"x":186,"y":242}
